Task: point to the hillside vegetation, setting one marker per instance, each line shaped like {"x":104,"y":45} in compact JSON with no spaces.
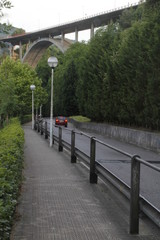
{"x":115,"y":77}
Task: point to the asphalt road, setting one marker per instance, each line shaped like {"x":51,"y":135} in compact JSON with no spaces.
{"x":119,"y":164}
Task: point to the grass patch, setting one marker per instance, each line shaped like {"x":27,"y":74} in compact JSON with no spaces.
{"x":80,"y":119}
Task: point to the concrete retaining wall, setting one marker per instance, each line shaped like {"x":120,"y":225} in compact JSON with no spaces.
{"x":144,"y":139}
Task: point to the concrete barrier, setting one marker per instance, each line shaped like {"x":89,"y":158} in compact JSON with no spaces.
{"x":145,"y":139}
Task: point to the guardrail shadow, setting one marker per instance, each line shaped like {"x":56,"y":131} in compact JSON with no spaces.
{"x":137,"y":202}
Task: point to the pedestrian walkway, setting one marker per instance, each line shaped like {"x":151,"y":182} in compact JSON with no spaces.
{"x":58,"y":203}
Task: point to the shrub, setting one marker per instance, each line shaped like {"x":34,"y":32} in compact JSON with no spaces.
{"x":11,"y":163}
{"x":26,"y":118}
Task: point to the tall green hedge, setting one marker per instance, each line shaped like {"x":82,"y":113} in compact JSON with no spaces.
{"x":115,"y":77}
{"x":11,"y":164}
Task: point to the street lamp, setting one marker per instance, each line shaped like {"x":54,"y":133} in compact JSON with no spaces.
{"x":40,"y":113}
{"x":32,"y":87}
{"x":52,"y":62}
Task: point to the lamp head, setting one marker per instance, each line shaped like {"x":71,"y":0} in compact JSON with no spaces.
{"x":52,"y":62}
{"x":32,"y":87}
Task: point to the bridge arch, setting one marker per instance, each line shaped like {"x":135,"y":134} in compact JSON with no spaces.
{"x":38,"y":48}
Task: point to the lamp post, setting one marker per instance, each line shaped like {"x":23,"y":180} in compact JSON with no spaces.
{"x":40,"y":111}
{"x":32,"y":87}
{"x":52,"y":62}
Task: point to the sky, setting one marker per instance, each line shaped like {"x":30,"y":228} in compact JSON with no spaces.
{"x":33,"y":15}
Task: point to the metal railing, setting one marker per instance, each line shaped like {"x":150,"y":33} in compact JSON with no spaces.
{"x":137,"y":202}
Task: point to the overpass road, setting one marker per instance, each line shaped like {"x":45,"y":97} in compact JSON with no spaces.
{"x":119,"y":164}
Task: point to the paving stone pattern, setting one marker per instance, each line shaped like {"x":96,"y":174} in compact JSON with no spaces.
{"x":58,"y":202}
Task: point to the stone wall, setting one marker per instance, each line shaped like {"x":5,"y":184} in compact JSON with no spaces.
{"x":144,"y":139}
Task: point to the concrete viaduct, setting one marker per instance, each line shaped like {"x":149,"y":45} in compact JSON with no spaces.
{"x":37,"y":42}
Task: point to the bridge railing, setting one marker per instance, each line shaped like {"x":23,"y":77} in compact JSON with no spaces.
{"x":132,"y":193}
{"x":100,"y":13}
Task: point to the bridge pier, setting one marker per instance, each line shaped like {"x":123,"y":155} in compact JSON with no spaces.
{"x":20,"y":51}
{"x":11,"y":51}
{"x":28,"y":45}
{"x":76,"y":35}
{"x":92,"y":31}
{"x":62,"y":39}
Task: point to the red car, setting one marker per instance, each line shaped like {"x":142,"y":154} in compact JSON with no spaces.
{"x":61,"y":121}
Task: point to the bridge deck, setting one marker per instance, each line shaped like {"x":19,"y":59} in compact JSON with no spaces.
{"x":58,"y":202}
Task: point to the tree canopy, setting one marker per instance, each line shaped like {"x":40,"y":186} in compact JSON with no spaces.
{"x":4,"y":4}
{"x":15,"y":93}
{"x":115,"y":77}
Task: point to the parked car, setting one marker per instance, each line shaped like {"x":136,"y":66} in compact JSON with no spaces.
{"x":60,"y":120}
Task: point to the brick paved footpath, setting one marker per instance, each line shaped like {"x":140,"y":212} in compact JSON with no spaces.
{"x":59,"y":203}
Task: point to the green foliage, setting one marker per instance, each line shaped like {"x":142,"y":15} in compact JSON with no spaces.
{"x":4,"y":29}
{"x":127,"y":18}
{"x":68,"y":91}
{"x":151,"y":2}
{"x":15,"y":93}
{"x":68,"y":81}
{"x":8,"y":99}
{"x":100,"y":77}
{"x":25,"y":118}
{"x":116,"y":76}
{"x":18,"y":31}
{"x":136,"y":67}
{"x":11,"y":163}
{"x":44,"y":73}
{"x":130,"y":16}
